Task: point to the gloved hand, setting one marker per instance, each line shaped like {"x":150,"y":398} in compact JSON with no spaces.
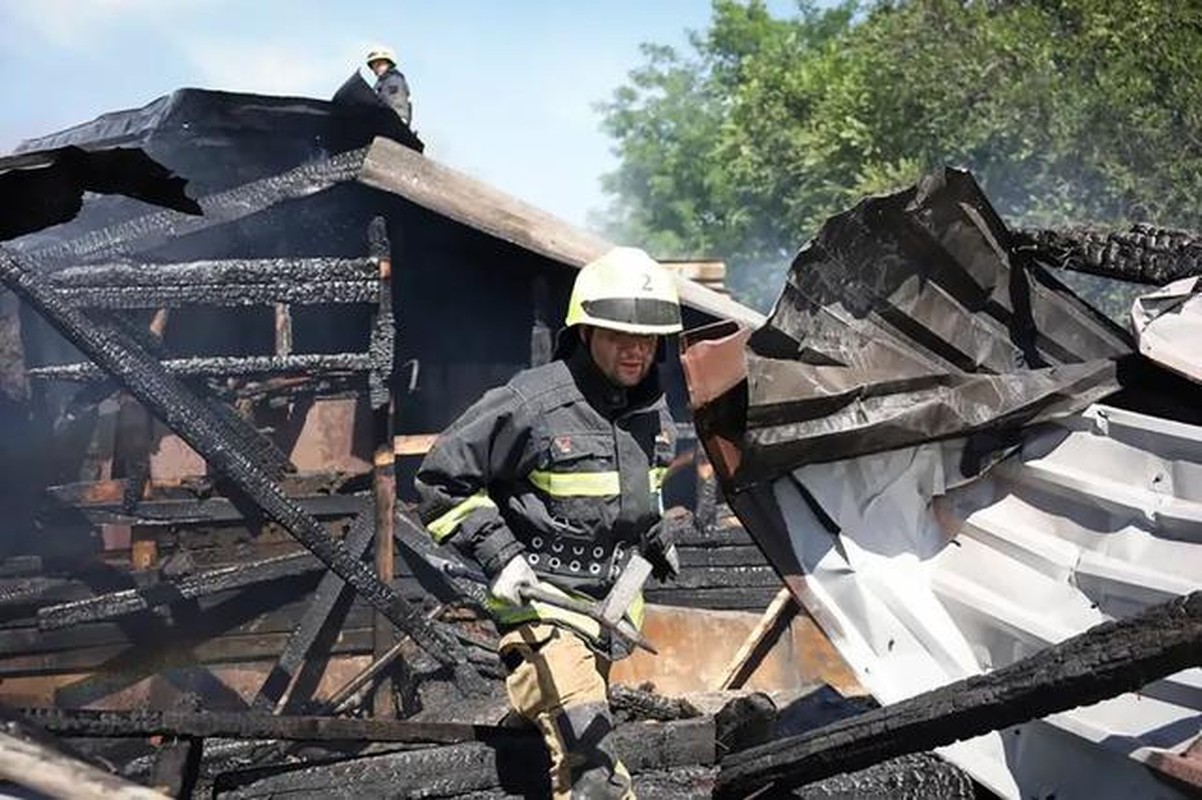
{"x":659,"y":542}
{"x":508,"y":584}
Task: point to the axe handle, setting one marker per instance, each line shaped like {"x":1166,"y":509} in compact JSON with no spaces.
{"x":541,"y":595}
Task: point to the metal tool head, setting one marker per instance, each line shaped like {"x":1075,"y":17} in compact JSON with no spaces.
{"x":626,"y":588}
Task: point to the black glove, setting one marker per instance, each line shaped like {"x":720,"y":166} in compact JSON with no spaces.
{"x":659,"y":542}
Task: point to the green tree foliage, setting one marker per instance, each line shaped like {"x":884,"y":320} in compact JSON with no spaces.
{"x":1067,"y":112}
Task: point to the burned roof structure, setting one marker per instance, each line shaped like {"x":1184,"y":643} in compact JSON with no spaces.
{"x":211,"y":418}
{"x":964,"y":472}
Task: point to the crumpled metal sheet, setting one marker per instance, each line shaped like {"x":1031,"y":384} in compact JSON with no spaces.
{"x":1168,"y":326}
{"x":912,"y":318}
{"x":878,"y":440}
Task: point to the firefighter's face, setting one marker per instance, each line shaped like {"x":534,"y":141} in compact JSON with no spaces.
{"x":623,"y":358}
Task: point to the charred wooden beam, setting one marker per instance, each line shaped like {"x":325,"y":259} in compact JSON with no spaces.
{"x":164,"y":395}
{"x":216,"y":294}
{"x":134,"y":658}
{"x":383,"y":336}
{"x":207,"y":510}
{"x":325,"y":599}
{"x":518,"y":765}
{"x":1145,"y":254}
{"x":224,"y":366}
{"x":733,"y":598}
{"x":244,"y":725}
{"x":412,"y":535}
{"x":154,"y":229}
{"x":228,"y":614}
{"x":133,"y":601}
{"x":231,"y":273}
{"x":30,"y":757}
{"x":22,"y":591}
{"x":38,"y":767}
{"x":1103,"y":662}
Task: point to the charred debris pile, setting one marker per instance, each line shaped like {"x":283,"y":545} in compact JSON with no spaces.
{"x":209,"y":582}
{"x":208,"y":577}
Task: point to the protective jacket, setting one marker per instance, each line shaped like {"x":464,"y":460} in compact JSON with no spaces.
{"x":558,"y":466}
{"x":393,"y":89}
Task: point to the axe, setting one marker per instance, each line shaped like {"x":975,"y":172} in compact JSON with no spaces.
{"x":594,"y":611}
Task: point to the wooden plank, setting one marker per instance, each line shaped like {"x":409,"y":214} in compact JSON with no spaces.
{"x":395,"y":168}
{"x":224,"y":649}
{"x":730,"y":598}
{"x":36,"y":766}
{"x":283,"y":329}
{"x":413,"y":444}
{"x":518,"y":764}
{"x":244,"y":725}
{"x":737,"y":671}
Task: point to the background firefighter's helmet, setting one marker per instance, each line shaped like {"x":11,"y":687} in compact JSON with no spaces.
{"x":625,"y":290}
{"x":380,"y":54}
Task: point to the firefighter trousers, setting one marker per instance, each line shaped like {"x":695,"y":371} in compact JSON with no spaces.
{"x":560,"y":685}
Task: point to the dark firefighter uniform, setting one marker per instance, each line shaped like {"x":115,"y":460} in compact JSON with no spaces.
{"x":393,"y":89}
{"x":391,"y":86}
{"x":563,"y":469}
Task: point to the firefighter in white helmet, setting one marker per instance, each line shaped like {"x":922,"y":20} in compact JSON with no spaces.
{"x":391,"y":85}
{"x":552,"y":480}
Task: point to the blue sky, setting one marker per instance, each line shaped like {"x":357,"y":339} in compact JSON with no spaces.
{"x":503,"y":90}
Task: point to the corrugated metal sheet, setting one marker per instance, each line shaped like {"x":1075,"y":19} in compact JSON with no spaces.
{"x":1097,"y":516}
{"x":914,"y":439}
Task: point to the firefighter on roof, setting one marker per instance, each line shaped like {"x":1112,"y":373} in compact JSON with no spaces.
{"x":391,"y":85}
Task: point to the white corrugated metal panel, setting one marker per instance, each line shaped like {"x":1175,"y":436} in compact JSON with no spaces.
{"x":1096,"y":517}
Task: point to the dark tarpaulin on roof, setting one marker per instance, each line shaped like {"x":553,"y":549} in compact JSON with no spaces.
{"x":45,"y":188}
{"x":907,"y":319}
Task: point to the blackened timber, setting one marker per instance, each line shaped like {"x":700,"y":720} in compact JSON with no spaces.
{"x":244,"y":725}
{"x":383,"y":325}
{"x":132,"y":601}
{"x":325,"y":599}
{"x":413,"y":536}
{"x":1144,"y":254}
{"x":518,"y":764}
{"x":224,"y":366}
{"x":154,"y":229}
{"x":51,"y":774}
{"x":232,"y":273}
{"x":164,"y":395}
{"x":383,"y":334}
{"x":222,"y":649}
{"x":1105,"y":661}
{"x":216,"y":294}
{"x":211,"y":509}
{"x":25,"y":590}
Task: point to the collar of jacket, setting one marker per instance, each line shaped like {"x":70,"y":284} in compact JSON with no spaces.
{"x":609,"y":400}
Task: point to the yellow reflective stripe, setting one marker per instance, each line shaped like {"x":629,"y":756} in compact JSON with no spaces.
{"x":657,"y":478}
{"x":445,"y":525}
{"x":589,"y":484}
{"x":577,"y":484}
{"x":507,"y":614}
{"x":637,"y":611}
